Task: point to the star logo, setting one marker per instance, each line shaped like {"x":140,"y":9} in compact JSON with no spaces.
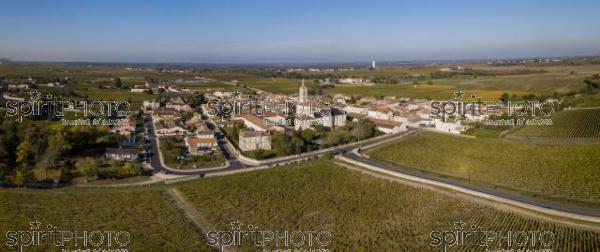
{"x":35,"y":224}
{"x":236,"y":93}
{"x":459,"y":95}
{"x":459,"y":224}
{"x":35,"y":94}
{"x":236,"y":224}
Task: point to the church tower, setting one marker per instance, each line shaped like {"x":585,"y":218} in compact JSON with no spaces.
{"x":303,"y":93}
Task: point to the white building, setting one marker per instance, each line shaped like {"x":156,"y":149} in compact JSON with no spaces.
{"x":356,"y":110}
{"x":453,"y":127}
{"x":382,"y":113}
{"x":303,"y":93}
{"x":388,"y":126}
{"x":151,"y":104}
{"x":254,"y":140}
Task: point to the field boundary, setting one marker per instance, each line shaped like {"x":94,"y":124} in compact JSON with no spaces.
{"x":201,"y":224}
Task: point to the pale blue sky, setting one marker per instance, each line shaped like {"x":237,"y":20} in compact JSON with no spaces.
{"x":295,"y":31}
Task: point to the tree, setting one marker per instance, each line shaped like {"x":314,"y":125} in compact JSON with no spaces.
{"x":57,"y":147}
{"x":127,"y":170}
{"x":280,"y":144}
{"x":504,"y":97}
{"x":592,"y":84}
{"x":117,"y":82}
{"x":20,"y":177}
{"x":308,"y":135}
{"x":297,"y":144}
{"x":364,"y":129}
{"x":23,"y":151}
{"x":87,"y":166}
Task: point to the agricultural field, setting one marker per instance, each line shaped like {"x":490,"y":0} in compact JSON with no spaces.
{"x":581,"y":123}
{"x":209,"y":86}
{"x":361,"y":212}
{"x":275,"y":85}
{"x":540,"y":83}
{"x":399,"y":90}
{"x":85,"y":74}
{"x":153,"y":223}
{"x":119,"y":95}
{"x":548,"y":80}
{"x":559,"y":172}
{"x":590,"y":101}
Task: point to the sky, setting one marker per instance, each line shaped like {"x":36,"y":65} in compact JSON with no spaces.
{"x":289,"y":31}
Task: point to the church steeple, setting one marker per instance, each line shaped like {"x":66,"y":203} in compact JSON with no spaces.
{"x":303,"y":92}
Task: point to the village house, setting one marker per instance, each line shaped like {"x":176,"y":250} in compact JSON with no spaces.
{"x":258,"y":124}
{"x":169,"y":127}
{"x":254,"y":140}
{"x":178,"y":104}
{"x":122,"y":154}
{"x":164,"y":113}
{"x":381,"y":112}
{"x":201,"y":144}
{"x":152,"y":105}
{"x":139,"y":89}
{"x":331,"y":117}
{"x":127,"y":131}
{"x":388,"y":126}
{"x":303,"y":122}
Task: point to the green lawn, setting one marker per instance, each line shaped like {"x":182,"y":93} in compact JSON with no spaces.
{"x":153,"y":223}
{"x":174,"y":146}
{"x":569,"y":173}
{"x":361,"y":212}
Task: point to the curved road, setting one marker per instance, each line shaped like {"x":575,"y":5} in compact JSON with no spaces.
{"x":530,"y":203}
{"x":151,"y":147}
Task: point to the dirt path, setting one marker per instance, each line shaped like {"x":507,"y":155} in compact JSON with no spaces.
{"x":202,"y":226}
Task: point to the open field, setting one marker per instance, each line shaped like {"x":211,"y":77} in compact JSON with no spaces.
{"x":209,"y":86}
{"x":582,"y":123}
{"x":84,"y":73}
{"x":563,"y":173}
{"x":361,"y":212}
{"x":552,"y":79}
{"x":435,"y":91}
{"x":275,"y":85}
{"x":154,"y":224}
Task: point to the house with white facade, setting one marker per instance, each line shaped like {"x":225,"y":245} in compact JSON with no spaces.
{"x":254,"y":140}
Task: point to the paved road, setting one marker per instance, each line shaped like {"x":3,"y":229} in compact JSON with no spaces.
{"x":151,"y":147}
{"x":519,"y":198}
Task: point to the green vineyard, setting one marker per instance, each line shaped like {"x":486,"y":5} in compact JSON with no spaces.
{"x":153,"y":224}
{"x":567,"y":124}
{"x":361,"y":212}
{"x":560,"y":172}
